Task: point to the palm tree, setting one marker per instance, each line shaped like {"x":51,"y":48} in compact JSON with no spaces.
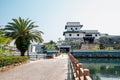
{"x":23,"y":32}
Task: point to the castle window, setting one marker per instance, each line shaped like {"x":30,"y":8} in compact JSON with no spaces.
{"x":77,"y":34}
{"x":75,"y":28}
{"x":95,"y":34}
{"x":72,"y":29}
{"x":69,"y":34}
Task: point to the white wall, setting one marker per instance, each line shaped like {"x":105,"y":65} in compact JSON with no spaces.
{"x":73,"y":28}
{"x":96,"y":37}
{"x":74,"y":35}
{"x":33,"y":49}
{"x":81,"y":35}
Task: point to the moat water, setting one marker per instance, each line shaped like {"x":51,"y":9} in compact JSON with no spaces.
{"x":102,"y":68}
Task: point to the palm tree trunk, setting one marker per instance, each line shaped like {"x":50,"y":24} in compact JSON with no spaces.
{"x":22,"y":53}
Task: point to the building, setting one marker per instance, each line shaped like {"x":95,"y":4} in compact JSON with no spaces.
{"x":35,"y":48}
{"x":76,"y":38}
{"x":74,"y":33}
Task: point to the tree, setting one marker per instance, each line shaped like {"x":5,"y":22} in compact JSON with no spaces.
{"x":2,"y":38}
{"x":108,"y":42}
{"x":102,"y":46}
{"x":105,"y":42}
{"x":4,"y":41}
{"x":50,"y":45}
{"x":23,"y":32}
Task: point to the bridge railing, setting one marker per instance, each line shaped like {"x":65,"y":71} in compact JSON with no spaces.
{"x":79,"y":72}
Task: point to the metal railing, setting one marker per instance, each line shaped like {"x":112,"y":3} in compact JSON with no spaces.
{"x":70,"y":71}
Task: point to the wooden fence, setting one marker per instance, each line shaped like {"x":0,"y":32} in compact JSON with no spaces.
{"x":79,"y":72}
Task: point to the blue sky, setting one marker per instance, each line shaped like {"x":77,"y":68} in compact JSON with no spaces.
{"x":52,"y":15}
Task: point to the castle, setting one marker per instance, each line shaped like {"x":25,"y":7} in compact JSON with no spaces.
{"x":74,"y":33}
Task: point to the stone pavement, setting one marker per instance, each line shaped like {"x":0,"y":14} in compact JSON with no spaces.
{"x":44,"y":69}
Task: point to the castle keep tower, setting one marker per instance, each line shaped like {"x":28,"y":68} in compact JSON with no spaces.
{"x":74,"y":33}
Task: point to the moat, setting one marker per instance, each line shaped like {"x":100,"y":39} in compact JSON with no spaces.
{"x":102,"y":68}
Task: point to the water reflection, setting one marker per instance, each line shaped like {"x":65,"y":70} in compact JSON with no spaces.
{"x":102,"y":68}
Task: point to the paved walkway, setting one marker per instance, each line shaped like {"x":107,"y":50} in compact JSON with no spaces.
{"x":45,"y":69}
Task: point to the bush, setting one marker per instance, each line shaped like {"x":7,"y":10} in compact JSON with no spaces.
{"x":5,"y":61}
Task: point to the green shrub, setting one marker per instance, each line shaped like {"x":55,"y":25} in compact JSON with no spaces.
{"x":4,"y":61}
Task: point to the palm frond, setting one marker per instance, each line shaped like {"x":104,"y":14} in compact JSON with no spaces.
{"x":23,"y":27}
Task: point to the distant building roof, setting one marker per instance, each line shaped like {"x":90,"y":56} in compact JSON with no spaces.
{"x":114,"y":36}
{"x":91,"y":31}
{"x":103,"y":35}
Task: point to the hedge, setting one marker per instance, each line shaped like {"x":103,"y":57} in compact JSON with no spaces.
{"x":5,"y":61}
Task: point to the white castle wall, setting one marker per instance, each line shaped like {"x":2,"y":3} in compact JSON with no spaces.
{"x":74,"y":35}
{"x":73,"y":28}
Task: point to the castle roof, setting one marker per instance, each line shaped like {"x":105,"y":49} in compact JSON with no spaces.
{"x":83,"y":31}
{"x":73,"y":24}
{"x":73,"y":32}
{"x":91,"y":31}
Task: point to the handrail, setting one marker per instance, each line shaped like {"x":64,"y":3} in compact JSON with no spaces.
{"x":79,"y":72}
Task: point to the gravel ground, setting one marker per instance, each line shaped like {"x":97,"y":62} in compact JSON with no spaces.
{"x":44,"y":69}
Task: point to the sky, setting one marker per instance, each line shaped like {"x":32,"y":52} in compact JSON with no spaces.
{"x":52,"y":15}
